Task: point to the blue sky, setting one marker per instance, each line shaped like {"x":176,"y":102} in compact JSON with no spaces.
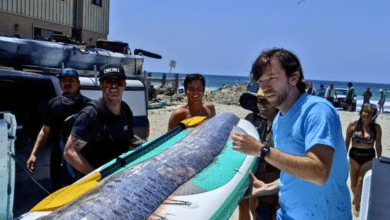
{"x":345,"y":40}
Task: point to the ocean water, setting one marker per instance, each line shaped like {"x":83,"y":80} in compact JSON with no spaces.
{"x":214,"y":82}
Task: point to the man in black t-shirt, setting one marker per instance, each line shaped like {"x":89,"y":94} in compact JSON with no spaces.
{"x":59,"y":108}
{"x":260,"y":207}
{"x":104,"y":129}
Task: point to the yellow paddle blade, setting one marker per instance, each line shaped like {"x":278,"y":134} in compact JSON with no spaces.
{"x":67,"y":194}
{"x":190,"y":122}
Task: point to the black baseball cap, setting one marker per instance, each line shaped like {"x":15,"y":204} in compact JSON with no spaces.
{"x":111,"y":70}
{"x":68,"y":72}
{"x":248,"y":101}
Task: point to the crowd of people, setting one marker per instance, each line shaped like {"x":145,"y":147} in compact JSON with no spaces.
{"x":330,"y":94}
{"x":303,"y":167}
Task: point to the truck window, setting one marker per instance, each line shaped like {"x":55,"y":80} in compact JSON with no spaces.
{"x":41,"y":92}
{"x":8,"y":92}
{"x":27,"y":99}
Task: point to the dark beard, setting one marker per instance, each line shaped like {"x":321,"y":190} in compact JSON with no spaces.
{"x":282,"y":97}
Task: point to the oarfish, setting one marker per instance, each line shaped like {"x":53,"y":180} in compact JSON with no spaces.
{"x":137,"y":191}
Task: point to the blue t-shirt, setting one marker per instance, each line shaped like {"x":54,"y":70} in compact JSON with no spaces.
{"x":321,"y":92}
{"x":311,"y":121}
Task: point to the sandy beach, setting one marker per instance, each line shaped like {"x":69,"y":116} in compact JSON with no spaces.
{"x":158,"y":119}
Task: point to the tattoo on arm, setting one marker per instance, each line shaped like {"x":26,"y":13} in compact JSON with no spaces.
{"x":75,"y":143}
{"x":79,"y":144}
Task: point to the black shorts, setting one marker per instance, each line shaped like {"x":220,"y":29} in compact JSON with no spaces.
{"x":349,"y":101}
{"x":362,"y":156}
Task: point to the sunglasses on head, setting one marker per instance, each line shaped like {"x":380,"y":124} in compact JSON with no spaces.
{"x":68,"y":73}
{"x":369,"y":110}
{"x":369,"y":107}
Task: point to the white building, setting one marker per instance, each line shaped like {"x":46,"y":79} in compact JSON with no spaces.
{"x":83,"y":20}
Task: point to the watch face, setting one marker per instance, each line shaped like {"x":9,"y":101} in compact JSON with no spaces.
{"x":264,"y":151}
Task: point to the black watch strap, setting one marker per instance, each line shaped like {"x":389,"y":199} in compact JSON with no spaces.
{"x":264,"y":151}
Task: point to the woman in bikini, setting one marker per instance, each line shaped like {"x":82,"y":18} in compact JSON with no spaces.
{"x":364,"y":133}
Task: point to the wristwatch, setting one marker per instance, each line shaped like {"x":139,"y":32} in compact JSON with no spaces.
{"x":264,"y":151}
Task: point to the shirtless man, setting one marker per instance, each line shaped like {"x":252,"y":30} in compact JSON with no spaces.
{"x":194,"y":86}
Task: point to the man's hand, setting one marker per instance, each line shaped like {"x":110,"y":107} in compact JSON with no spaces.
{"x":41,"y":141}
{"x":246,"y":144}
{"x":259,"y":188}
{"x":31,"y":162}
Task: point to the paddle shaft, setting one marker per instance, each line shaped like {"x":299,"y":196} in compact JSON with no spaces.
{"x":69,"y":193}
{"x":120,"y":162}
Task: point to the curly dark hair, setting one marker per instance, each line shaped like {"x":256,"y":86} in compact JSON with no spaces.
{"x":289,"y":62}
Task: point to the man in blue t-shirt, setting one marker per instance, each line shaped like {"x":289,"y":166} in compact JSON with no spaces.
{"x":309,"y":146}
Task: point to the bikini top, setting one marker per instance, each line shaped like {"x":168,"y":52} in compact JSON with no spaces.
{"x":360,"y":140}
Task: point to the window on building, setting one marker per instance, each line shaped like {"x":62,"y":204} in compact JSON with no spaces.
{"x":16,"y":27}
{"x":16,"y":30}
{"x":40,"y":33}
{"x":97,"y":2}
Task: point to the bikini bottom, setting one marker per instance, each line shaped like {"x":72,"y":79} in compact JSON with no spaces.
{"x":361,"y":156}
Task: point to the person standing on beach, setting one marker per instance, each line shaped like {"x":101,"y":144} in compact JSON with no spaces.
{"x":152,"y":93}
{"x":330,"y":93}
{"x":252,"y":86}
{"x":309,"y":146}
{"x":321,"y":91}
{"x":367,"y":96}
{"x":194,"y":87}
{"x":350,"y":95}
{"x":60,"y":108}
{"x":104,"y":128}
{"x":382,"y":99}
{"x":364,"y":133}
{"x":311,"y":90}
{"x":260,"y":207}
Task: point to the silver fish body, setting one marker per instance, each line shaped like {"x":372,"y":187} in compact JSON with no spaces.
{"x":137,"y":191}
